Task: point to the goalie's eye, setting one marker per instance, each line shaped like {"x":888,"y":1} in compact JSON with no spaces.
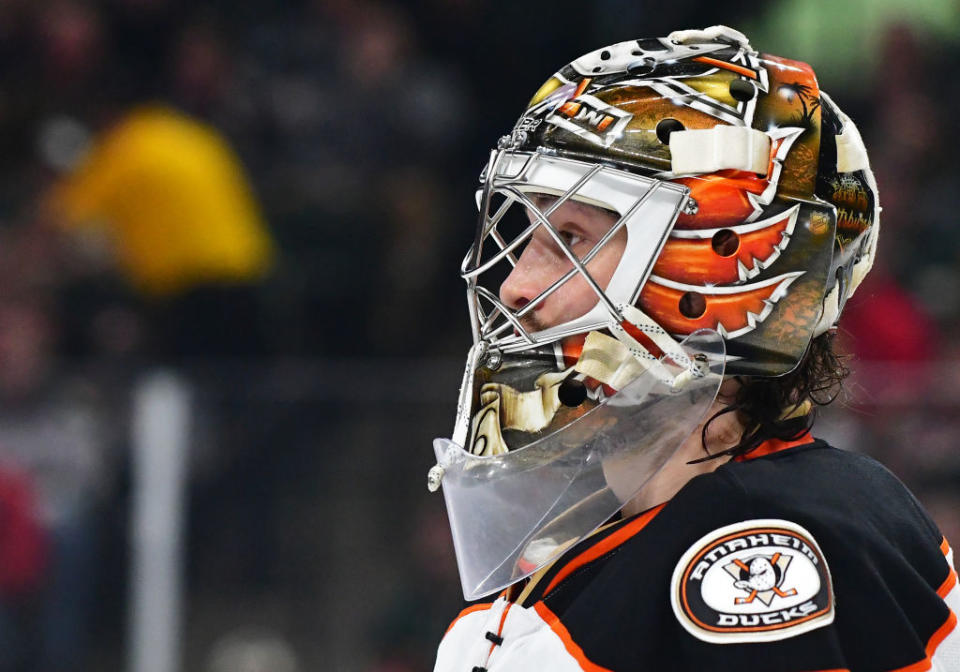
{"x":571,"y":238}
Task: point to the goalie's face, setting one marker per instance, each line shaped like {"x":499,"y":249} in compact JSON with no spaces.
{"x":543,"y":262}
{"x":563,"y":415}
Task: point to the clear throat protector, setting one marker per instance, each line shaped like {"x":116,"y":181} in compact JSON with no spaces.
{"x":560,"y":425}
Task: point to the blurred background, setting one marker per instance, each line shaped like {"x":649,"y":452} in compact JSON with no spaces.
{"x":231,"y":325}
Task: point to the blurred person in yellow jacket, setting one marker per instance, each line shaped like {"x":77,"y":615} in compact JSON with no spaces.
{"x":184,"y":226}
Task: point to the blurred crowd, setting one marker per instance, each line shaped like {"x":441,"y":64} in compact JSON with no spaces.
{"x":273,"y":198}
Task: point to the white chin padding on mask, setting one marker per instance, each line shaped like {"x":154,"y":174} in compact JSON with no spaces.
{"x":671,"y":349}
{"x":608,"y":361}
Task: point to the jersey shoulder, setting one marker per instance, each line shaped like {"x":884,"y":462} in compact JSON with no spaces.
{"x":823,"y":486}
{"x":780,"y":557}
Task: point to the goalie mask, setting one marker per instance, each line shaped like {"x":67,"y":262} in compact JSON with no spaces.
{"x":715,"y":208}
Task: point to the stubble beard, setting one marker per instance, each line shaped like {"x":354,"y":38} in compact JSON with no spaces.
{"x":532,"y":324}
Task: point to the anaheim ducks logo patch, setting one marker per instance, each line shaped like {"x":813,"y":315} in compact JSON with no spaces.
{"x":755,"y":581}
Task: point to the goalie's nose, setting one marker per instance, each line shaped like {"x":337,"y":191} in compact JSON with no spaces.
{"x":533,"y":273}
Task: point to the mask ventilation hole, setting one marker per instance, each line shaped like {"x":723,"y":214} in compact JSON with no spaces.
{"x":725,"y":242}
{"x":642,"y":67}
{"x":604,"y":55}
{"x":572,"y":392}
{"x":665,"y":127}
{"x":692,"y":305}
{"x":742,"y":90}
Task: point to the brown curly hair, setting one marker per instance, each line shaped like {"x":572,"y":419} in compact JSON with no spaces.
{"x":784,"y":407}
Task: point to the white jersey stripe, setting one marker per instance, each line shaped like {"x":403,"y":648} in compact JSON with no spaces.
{"x":529,"y":643}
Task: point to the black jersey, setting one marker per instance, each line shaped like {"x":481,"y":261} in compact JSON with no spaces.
{"x":801,"y":558}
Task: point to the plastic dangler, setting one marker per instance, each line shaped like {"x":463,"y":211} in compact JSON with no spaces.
{"x":514,"y":512}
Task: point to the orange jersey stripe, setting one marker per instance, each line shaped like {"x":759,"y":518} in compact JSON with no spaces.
{"x":604,"y":546}
{"x":951,"y":579}
{"x":503,"y":619}
{"x":943,"y":630}
{"x":948,"y":584}
{"x":935,"y":640}
{"x":571,"y":646}
{"x":772,"y":446}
